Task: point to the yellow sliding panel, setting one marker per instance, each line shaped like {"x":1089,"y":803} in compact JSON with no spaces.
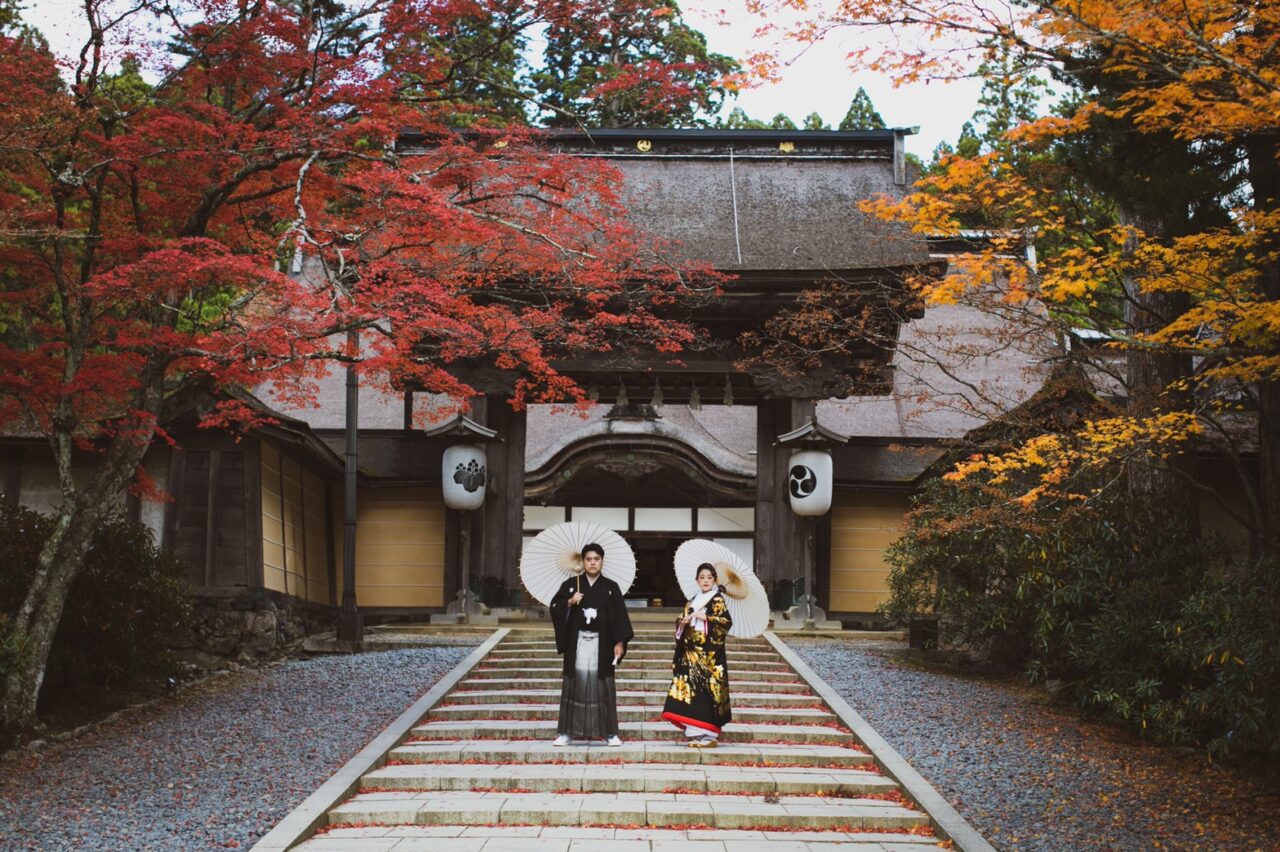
{"x":399,"y":547}
{"x":862,"y":526}
{"x":273,"y":524}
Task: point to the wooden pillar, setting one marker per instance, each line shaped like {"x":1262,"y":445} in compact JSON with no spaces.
{"x":822,"y":562}
{"x":766,"y":477}
{"x":774,"y":547}
{"x":785,"y":544}
{"x":499,"y":536}
{"x":453,"y":575}
{"x":804,"y":531}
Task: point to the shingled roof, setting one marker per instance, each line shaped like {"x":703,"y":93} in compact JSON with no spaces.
{"x":784,"y":204}
{"x":761,"y":200}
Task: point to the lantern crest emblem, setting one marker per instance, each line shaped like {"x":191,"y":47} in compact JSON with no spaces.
{"x":803,"y":481}
{"x":470,"y":476}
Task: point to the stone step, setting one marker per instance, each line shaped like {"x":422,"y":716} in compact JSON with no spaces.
{"x":546,"y":729}
{"x":497,"y":838}
{"x":534,"y":629}
{"x":441,"y":807}
{"x":626,"y":713}
{"x":628,"y":777}
{"x":462,"y":838}
{"x":656,"y":684}
{"x":644,"y":643}
{"x":501,"y":653}
{"x":649,"y":697}
{"x":665,"y":653}
{"x":499,"y":661}
{"x":479,"y":771}
{"x":659,"y":626}
{"x":651,"y":648}
{"x":632,"y":751}
{"x":660,"y":638}
{"x":626,"y":672}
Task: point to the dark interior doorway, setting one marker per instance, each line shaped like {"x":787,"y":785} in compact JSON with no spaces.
{"x":655,"y":571}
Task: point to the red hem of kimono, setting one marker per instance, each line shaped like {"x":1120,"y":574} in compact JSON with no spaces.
{"x":681,"y":721}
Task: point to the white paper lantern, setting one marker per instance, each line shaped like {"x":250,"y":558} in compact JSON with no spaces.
{"x":809,"y":479}
{"x":464,"y":475}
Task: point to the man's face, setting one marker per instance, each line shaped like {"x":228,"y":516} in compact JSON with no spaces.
{"x":592,"y":563}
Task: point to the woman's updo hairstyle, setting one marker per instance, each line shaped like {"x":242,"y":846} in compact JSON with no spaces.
{"x":707,"y":566}
{"x":593,"y":548}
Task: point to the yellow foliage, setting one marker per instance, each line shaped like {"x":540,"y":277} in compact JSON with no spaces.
{"x":1052,"y":460}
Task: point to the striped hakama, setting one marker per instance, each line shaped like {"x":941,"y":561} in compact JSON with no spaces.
{"x":588,"y":702}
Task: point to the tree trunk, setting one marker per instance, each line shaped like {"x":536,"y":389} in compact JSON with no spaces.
{"x":1269,"y":467}
{"x":1264,"y":176}
{"x":37,"y":622}
{"x":1151,"y":376}
{"x":59,"y":562}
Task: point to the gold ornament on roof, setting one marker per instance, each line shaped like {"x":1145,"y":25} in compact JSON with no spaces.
{"x":786,"y":147}
{"x":643,"y":144}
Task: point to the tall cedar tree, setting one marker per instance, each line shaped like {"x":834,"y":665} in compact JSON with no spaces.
{"x":1203,"y":289}
{"x":482,"y":51}
{"x":739,"y":120}
{"x":150,"y":199}
{"x":862,"y":113}
{"x":630,"y":63}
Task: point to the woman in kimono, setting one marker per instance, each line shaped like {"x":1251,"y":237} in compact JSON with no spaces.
{"x":698,"y":700}
{"x":592,"y":632}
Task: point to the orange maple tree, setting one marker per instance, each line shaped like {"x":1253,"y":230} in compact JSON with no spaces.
{"x":1200,"y":287}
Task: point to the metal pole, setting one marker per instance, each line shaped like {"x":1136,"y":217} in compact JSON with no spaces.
{"x":350,"y":619}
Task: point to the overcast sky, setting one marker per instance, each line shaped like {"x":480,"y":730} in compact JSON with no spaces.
{"x":819,"y":81}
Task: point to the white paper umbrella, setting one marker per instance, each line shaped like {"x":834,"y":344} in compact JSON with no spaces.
{"x":743,"y":591}
{"x":555,"y":555}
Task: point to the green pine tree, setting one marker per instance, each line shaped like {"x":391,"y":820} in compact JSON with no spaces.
{"x":739,"y":120}
{"x":1011,"y":95}
{"x":813,"y":121}
{"x":969,"y":144}
{"x":615,"y":69}
{"x":862,"y":114}
{"x":483,"y":57}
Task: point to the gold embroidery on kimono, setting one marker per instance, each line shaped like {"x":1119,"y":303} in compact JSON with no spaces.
{"x":699,"y":692}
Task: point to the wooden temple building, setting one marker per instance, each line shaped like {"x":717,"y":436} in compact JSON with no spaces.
{"x":669,"y":452}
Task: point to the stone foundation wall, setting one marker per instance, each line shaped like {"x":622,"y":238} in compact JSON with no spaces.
{"x":247,"y":624}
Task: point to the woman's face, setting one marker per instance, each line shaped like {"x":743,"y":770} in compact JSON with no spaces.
{"x":706,"y":581}
{"x":592,"y":563}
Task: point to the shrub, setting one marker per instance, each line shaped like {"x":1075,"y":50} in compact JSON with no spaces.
{"x":127,"y":601}
{"x":1142,"y":622}
{"x":10,"y":646}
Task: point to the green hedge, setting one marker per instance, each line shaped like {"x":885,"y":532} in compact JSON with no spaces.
{"x":1143,"y":624}
{"x":128,"y":600}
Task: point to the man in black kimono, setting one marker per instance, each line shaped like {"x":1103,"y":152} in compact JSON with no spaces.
{"x":592,"y":632}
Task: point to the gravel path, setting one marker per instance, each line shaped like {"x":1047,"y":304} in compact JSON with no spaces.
{"x":1033,"y":777}
{"x":218,"y":766}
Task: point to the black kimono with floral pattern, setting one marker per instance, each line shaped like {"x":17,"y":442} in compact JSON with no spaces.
{"x":699,"y":693}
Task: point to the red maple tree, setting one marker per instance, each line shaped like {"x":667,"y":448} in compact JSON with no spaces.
{"x":156,"y":189}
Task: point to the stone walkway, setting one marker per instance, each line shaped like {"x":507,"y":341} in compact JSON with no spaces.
{"x":479,"y":771}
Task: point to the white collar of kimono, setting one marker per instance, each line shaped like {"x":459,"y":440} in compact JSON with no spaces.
{"x":699,"y":601}
{"x":591,"y":581}
{"x":703,"y":598}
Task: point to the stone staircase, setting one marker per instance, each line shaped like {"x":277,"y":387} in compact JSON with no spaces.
{"x":479,"y":772}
